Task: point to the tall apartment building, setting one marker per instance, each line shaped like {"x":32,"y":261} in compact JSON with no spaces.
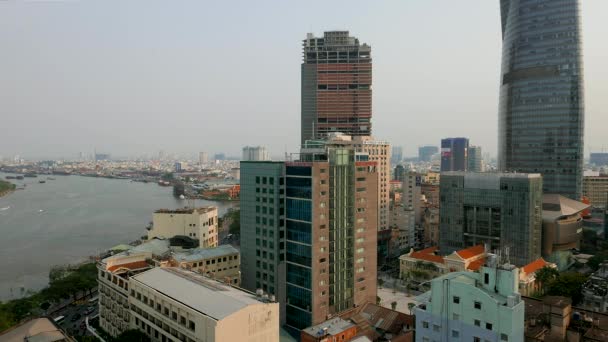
{"x":473,"y":306}
{"x":203,"y":158}
{"x":171,"y":304}
{"x":474,"y":159}
{"x":425,"y":153}
{"x":263,"y":228}
{"x":595,"y":188}
{"x":331,"y":232}
{"x":454,"y":154}
{"x":336,"y":86}
{"x":541,"y":102}
{"x":498,"y":209}
{"x":197,"y":223}
{"x":412,"y":183}
{"x":255,"y":153}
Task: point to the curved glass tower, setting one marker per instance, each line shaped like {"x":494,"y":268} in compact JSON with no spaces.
{"x":541,"y":111}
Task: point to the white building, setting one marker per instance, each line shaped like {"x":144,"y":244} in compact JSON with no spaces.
{"x":255,"y":153}
{"x":470,"y":306}
{"x":170,"y":304}
{"x":198,"y":223}
{"x":203,"y":158}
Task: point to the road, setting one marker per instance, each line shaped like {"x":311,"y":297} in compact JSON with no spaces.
{"x":76,"y":326}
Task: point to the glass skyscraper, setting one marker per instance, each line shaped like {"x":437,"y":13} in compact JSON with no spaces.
{"x":541,"y":112}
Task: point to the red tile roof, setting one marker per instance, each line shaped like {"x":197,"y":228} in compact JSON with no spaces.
{"x":476,"y":265}
{"x":428,"y":254}
{"x":534,"y":266}
{"x":130,"y":265}
{"x":471,"y":252}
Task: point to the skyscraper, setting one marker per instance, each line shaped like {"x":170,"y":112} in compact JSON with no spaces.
{"x":474,"y":159}
{"x":454,"y":154}
{"x":541,"y":111}
{"x":426,"y":152}
{"x":498,"y":209}
{"x":397,"y":155}
{"x":255,"y":153}
{"x":336,"y":86}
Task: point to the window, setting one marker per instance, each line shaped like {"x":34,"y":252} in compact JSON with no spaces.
{"x":476,"y":339}
{"x":456,"y":300}
{"x":477,"y":305}
{"x":182,"y":320}
{"x":477,"y":323}
{"x":455,"y":333}
{"x":436,"y":327}
{"x":425,"y":325}
{"x":174,"y":315}
{"x":488,"y":326}
{"x":486,"y":278}
{"x":504,"y":337}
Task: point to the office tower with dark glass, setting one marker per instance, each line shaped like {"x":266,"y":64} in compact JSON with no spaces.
{"x":454,"y":153}
{"x":474,"y":159}
{"x":498,"y":209}
{"x":336,"y":86}
{"x":541,"y":110}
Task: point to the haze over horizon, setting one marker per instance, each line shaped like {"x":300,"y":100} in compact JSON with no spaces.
{"x":129,"y":78}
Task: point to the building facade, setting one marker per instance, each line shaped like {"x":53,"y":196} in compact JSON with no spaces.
{"x":454,"y":154}
{"x":171,"y":304}
{"x":541,"y":108}
{"x":203,"y":158}
{"x":499,"y":209}
{"x":336,"y":86}
{"x":197,"y":223}
{"x":595,"y":188}
{"x":222,"y":263}
{"x":331,"y":232}
{"x":471,"y":306}
{"x":263,"y":228}
{"x":425,"y":153}
{"x":255,"y":153}
{"x":474,"y":159}
{"x":396,"y":155}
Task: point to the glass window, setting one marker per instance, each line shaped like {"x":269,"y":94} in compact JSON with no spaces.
{"x":477,"y":305}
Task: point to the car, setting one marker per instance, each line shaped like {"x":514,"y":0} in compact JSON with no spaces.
{"x":90,"y":310}
{"x":76,"y":317}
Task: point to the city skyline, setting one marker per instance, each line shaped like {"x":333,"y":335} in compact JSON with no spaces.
{"x":137,"y":90}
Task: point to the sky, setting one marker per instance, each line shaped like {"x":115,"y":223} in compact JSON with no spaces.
{"x":137,"y":77}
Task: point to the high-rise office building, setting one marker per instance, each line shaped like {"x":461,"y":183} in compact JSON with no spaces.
{"x":541,"y":110}
{"x":255,"y":153}
{"x":262,"y":206}
{"x":397,"y":155}
{"x":454,"y":154}
{"x":399,"y":173}
{"x":498,"y":209}
{"x":331,"y":232}
{"x":426,"y":152}
{"x":474,"y":159}
{"x":336,"y":86}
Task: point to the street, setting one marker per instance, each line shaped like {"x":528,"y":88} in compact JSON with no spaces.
{"x":75,"y":314}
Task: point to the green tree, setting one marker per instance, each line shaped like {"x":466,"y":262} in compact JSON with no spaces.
{"x":568,"y":285}
{"x":595,"y":261}
{"x":545,"y":276}
{"x":132,"y":336}
{"x":235,"y":224}
{"x":410,"y":306}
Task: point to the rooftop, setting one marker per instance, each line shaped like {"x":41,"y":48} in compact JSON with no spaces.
{"x":136,"y":265}
{"x":534,"y":266}
{"x":331,"y":327}
{"x":471,"y":252}
{"x":205,"y":253}
{"x":36,"y":330}
{"x":427,"y":254}
{"x":185,"y":210}
{"x":205,"y":295}
{"x":556,"y":206}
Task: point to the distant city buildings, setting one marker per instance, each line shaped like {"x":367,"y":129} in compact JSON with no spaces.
{"x":255,"y":153}
{"x":102,"y":156}
{"x":473,"y":306}
{"x":203,"y":158}
{"x":499,"y":209}
{"x":336,"y":86}
{"x":454,"y":154}
{"x":599,"y":159}
{"x":196,"y":223}
{"x":541,"y":109}
{"x":399,"y":173}
{"x":426,"y":152}
{"x":397,"y":155}
{"x":178,"y":167}
{"x":219,"y":156}
{"x":474,"y":159}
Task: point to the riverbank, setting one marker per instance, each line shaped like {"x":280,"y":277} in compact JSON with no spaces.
{"x":6,"y":188}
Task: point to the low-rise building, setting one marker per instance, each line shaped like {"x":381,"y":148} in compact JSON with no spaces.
{"x":333,"y":330}
{"x":596,"y":189}
{"x":171,"y":304}
{"x":528,"y":284}
{"x":595,"y":290}
{"x":473,"y":306}
{"x":222,"y":263}
{"x":197,"y":223}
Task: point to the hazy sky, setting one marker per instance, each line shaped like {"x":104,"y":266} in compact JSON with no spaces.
{"x":133,"y":77}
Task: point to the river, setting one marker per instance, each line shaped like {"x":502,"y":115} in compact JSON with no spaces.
{"x":65,"y":220}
